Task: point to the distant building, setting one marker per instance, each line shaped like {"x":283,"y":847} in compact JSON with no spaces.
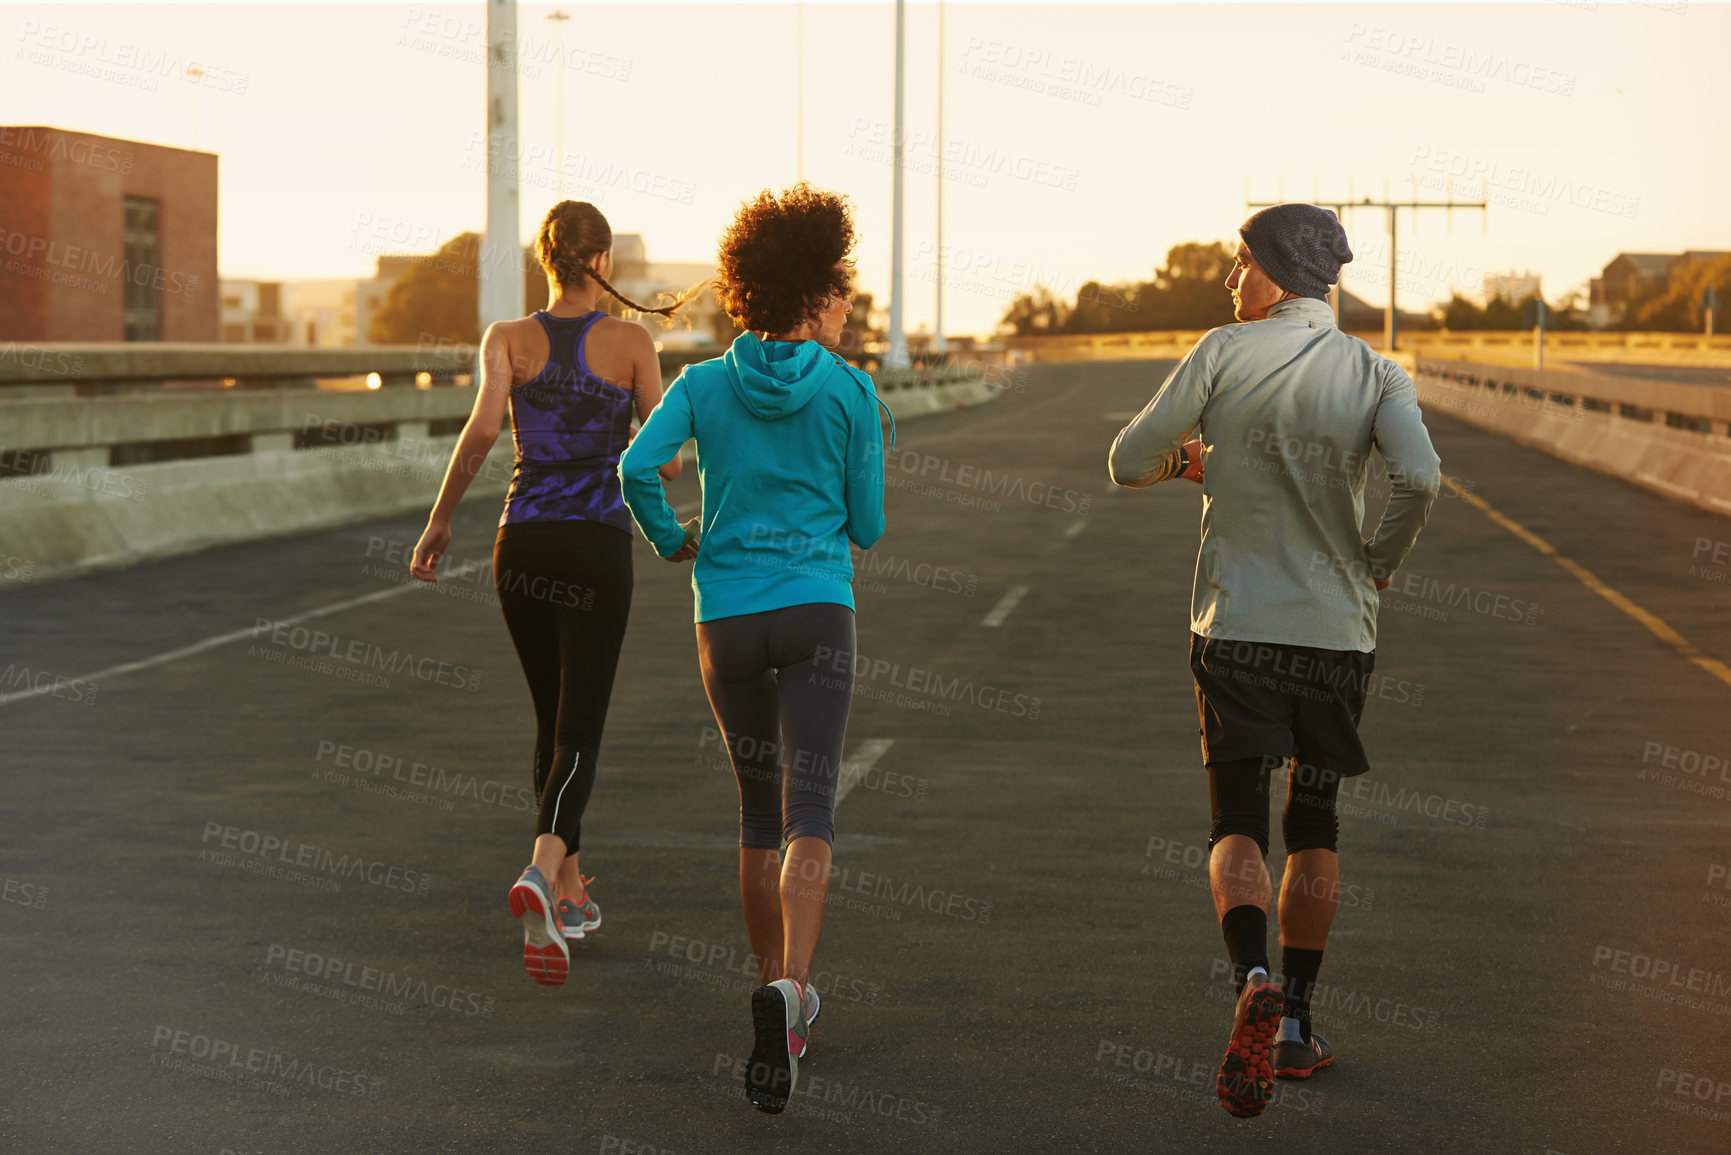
{"x":644,"y":281}
{"x":103,"y":239}
{"x":1511,"y":286}
{"x":252,"y":313}
{"x":370,"y":294}
{"x":320,"y":313}
{"x":1629,"y":275}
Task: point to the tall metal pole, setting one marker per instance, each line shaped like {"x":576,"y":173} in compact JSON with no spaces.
{"x":1539,"y":332}
{"x":896,"y":357}
{"x":939,"y":345}
{"x":1391,"y":326}
{"x":501,"y":295}
{"x":560,"y":18}
{"x":799,"y":90}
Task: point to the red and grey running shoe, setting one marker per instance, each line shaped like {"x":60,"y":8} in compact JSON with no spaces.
{"x":579,"y":918}
{"x":1245,"y":1080}
{"x":1295,"y":1060}
{"x":546,"y":956}
{"x":780,"y":1028}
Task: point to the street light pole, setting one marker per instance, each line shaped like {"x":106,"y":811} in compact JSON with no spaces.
{"x":939,"y":345}
{"x":799,"y":90}
{"x":560,"y":19}
{"x":501,"y":296}
{"x":896,"y":356}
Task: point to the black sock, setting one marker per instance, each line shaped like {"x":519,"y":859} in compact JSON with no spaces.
{"x":1300,"y":967}
{"x":1245,"y":929}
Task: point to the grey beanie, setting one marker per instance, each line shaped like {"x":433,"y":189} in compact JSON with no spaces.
{"x":1300,"y":246}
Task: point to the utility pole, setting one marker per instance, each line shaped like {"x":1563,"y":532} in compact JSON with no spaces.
{"x":896,"y":356}
{"x":1390,"y":327}
{"x":501,"y":295}
{"x":939,"y":345}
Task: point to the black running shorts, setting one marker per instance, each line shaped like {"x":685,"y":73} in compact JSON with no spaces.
{"x":1263,"y":699}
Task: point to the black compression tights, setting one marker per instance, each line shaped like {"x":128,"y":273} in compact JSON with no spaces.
{"x":780,"y":683}
{"x":565,"y":589}
{"x":1238,"y":797}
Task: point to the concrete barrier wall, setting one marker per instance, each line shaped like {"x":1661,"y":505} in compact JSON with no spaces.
{"x":84,"y":514}
{"x":1503,"y":347}
{"x":1580,"y":418}
{"x":1519,"y":347}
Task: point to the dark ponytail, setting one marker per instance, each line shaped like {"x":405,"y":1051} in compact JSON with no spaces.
{"x":572,"y":235}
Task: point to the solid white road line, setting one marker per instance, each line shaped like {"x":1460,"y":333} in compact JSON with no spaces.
{"x":101,"y":676}
{"x":864,"y":758}
{"x":200,"y":647}
{"x":1004,"y":606}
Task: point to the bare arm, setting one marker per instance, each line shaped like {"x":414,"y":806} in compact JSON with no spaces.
{"x":646,"y":388}
{"x":473,"y":445}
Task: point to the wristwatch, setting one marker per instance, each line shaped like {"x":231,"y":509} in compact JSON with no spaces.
{"x":1183,"y":460}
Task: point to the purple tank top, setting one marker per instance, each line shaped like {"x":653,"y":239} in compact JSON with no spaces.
{"x":569,"y":428}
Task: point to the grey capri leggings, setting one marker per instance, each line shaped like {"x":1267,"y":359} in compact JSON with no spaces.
{"x":780,"y":683}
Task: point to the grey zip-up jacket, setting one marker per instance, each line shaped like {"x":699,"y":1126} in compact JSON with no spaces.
{"x":1288,"y":409}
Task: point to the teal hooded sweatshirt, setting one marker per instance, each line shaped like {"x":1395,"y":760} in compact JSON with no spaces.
{"x":791,"y":458}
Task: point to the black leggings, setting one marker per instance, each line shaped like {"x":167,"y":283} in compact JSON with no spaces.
{"x":1238,"y":798}
{"x":565,"y":589}
{"x":780,"y":683}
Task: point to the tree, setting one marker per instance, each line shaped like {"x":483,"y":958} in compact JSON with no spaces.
{"x":1036,"y":312}
{"x":1105,"y":308}
{"x":1189,"y":292}
{"x":1461,"y":315}
{"x":439,"y":298}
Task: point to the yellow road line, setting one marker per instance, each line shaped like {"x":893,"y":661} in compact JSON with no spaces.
{"x":1660,"y":628}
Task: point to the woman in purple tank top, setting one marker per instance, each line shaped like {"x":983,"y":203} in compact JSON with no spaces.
{"x":572,"y":378}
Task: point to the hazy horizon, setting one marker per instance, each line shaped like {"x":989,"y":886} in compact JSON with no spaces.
{"x":1082,"y":140}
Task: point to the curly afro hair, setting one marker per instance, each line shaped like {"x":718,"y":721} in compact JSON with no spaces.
{"x":783,"y":257}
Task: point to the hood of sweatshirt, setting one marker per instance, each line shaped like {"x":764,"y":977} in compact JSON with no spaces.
{"x":775,"y":378}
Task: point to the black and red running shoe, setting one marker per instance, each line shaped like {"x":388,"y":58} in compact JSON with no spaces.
{"x":1246,"y":1080}
{"x":1296,"y":1060}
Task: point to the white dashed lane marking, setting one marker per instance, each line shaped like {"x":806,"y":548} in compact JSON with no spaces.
{"x":1004,"y":606}
{"x":863,"y":760}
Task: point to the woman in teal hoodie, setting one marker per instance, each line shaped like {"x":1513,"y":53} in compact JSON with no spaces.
{"x":790,"y":454}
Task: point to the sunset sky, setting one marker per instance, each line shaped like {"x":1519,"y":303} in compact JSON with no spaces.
{"x":1083,"y":140}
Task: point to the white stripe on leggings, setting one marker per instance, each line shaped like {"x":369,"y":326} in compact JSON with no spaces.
{"x":575,"y":758}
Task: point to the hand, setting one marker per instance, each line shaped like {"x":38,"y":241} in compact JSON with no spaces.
{"x":429,"y":550}
{"x":1193,"y":471}
{"x":1381,"y":583}
{"x":693,"y":536}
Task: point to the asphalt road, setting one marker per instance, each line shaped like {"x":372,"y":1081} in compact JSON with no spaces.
{"x":254,"y":901}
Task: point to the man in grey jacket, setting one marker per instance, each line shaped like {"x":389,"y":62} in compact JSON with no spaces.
{"x":1283,"y":613}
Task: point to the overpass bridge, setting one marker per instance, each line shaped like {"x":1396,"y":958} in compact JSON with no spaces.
{"x":1021,"y":954}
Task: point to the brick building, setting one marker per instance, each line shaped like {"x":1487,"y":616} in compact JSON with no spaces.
{"x":105,"y":240}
